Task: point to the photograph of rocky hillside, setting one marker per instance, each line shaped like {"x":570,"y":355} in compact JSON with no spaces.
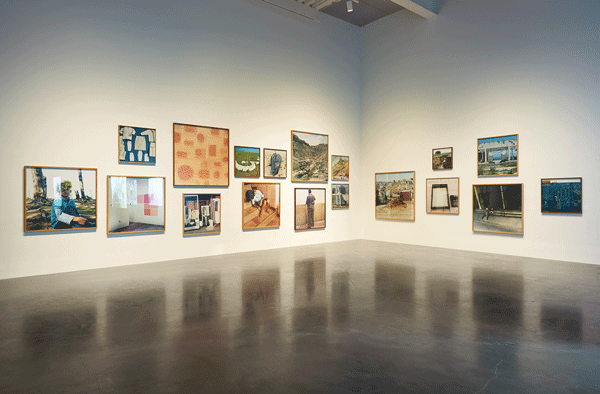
{"x":340,"y":168}
{"x":310,"y":153}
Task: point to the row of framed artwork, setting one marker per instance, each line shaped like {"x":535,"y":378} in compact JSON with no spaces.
{"x":247,"y":164}
{"x":496,"y":156}
{"x":201,"y":156}
{"x":66,"y":199}
{"x":497,"y":208}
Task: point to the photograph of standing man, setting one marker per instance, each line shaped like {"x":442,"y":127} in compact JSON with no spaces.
{"x":310,"y":209}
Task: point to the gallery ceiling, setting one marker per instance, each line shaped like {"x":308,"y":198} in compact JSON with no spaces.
{"x":363,"y":11}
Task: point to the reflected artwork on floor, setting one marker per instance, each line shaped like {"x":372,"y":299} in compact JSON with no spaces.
{"x":135,"y":204}
{"x":442,"y":195}
{"x":498,"y":208}
{"x":395,"y":195}
{"x":310,"y":207}
{"x":261,"y":205}
{"x":201,"y":214}
{"x":59,"y":198}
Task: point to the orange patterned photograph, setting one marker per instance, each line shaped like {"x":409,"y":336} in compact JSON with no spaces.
{"x":200,"y":155}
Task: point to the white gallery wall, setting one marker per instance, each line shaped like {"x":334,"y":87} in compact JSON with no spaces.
{"x":485,"y":68}
{"x":72,"y":71}
{"x":386,"y":94}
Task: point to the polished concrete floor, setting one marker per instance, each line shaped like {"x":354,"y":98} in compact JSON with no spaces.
{"x":348,"y":317}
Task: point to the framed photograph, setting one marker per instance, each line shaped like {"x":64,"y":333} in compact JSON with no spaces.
{"x":498,"y":156}
{"x":261,"y":205}
{"x":561,"y":195}
{"x":247,"y":161}
{"x":309,"y":211}
{"x":59,"y":198}
{"x":442,"y":195}
{"x":498,"y":208}
{"x":395,"y":195}
{"x":200,"y":155}
{"x":136,"y":204}
{"x":137,"y":145}
{"x":441,"y":159}
{"x":275,"y":163}
{"x":340,"y":196}
{"x":310,"y":157}
{"x":340,"y":168}
{"x":201,"y":214}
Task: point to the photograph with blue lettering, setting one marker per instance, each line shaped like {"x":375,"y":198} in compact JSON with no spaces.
{"x":275,"y":163}
{"x":498,"y":156}
{"x":137,"y":145}
{"x":561,"y":195}
{"x":60,"y":198}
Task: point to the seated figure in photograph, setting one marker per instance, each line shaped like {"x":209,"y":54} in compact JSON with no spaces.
{"x":259,"y":200}
{"x":64,"y":211}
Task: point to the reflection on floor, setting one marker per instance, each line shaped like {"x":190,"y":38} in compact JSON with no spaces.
{"x":347,"y":317}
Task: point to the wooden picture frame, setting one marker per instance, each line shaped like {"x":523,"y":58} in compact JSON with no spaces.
{"x":442,"y":158}
{"x":498,"y":156}
{"x":310,"y":157}
{"x":340,"y":196}
{"x":395,"y":195}
{"x":201,"y":214}
{"x":340,"y":168}
{"x":262,"y":211}
{"x":137,"y":145}
{"x":498,"y":208}
{"x":59,"y":198}
{"x":309,"y":216}
{"x":200,"y":155}
{"x":274,"y":167}
{"x":562,"y":195}
{"x":135,"y":204}
{"x":246,"y":162}
{"x":442,"y":195}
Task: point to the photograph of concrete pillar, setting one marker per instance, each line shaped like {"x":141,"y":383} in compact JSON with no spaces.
{"x":261,"y":205}
{"x":60,"y":198}
{"x":309,"y":210}
{"x":135,"y":204}
{"x":395,"y":195}
{"x":442,"y":195}
{"x":498,"y":156}
{"x":498,"y":208}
